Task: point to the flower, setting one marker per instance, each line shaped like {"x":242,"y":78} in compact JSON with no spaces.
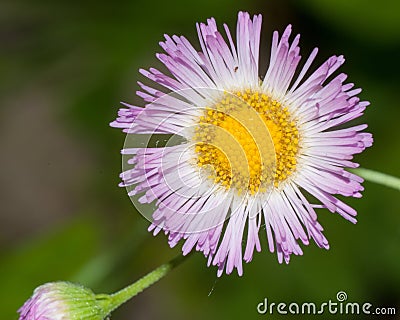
{"x":253,"y":147}
{"x":63,"y":300}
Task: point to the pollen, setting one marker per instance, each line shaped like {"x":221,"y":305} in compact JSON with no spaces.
{"x":247,"y":141}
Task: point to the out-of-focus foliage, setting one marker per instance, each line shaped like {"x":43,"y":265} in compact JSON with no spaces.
{"x":56,"y":255}
{"x":65,"y":65}
{"x":375,"y":21}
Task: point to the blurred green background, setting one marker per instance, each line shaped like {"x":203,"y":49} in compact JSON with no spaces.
{"x":65,"y":65}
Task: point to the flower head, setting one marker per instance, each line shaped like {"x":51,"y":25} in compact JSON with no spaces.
{"x":252,"y":147}
{"x":62,"y":300}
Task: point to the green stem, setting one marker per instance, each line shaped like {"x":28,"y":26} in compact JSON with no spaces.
{"x":378,"y":177}
{"x":117,"y":299}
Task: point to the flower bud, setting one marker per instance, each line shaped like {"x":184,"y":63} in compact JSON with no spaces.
{"x":64,"y":300}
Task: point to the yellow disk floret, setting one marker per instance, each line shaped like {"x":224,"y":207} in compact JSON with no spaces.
{"x":247,"y":141}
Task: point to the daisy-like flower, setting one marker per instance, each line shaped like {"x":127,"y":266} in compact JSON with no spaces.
{"x":253,"y":147}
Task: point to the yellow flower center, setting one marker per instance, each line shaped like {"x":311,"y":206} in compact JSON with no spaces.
{"x":247,"y":141}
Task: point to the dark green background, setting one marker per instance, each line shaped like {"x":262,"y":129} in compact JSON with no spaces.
{"x":64,"y":67}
